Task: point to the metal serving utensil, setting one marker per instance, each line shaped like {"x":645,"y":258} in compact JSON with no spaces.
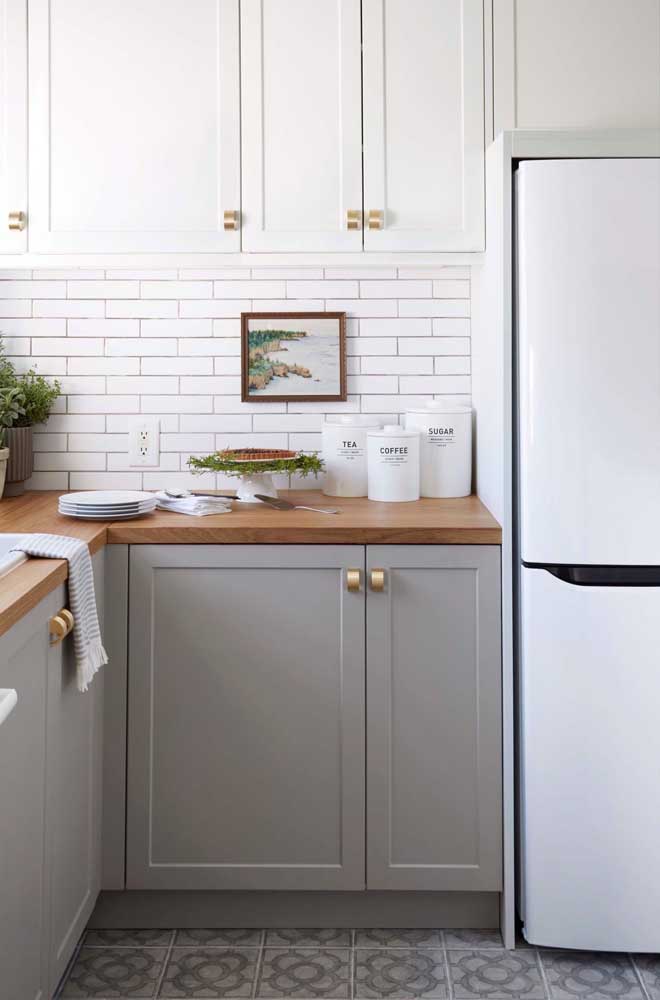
{"x":279,"y":504}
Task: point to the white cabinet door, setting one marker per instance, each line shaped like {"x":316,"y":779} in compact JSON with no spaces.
{"x":576,"y":64}
{"x":13,"y":121}
{"x":134,"y":125}
{"x":301,"y":124}
{"x":423,"y":124}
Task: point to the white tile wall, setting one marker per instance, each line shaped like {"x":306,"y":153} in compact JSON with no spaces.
{"x":167,"y":343}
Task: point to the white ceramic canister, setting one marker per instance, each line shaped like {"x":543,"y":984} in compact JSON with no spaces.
{"x":393,"y":457}
{"x":344,"y":451}
{"x":446,"y":448}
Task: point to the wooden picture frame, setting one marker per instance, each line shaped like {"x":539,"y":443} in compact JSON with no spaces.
{"x":301,"y":368}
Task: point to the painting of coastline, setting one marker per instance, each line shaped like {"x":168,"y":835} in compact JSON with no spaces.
{"x":293,"y":356}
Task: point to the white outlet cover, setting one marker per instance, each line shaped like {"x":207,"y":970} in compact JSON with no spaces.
{"x":144,"y":442}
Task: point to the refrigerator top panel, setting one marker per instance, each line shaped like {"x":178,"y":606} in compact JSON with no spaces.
{"x":588,"y":331}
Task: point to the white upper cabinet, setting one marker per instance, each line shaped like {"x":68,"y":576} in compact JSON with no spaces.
{"x":301,"y":124}
{"x":134,"y":125}
{"x":13,"y":125}
{"x":576,"y":64}
{"x":423,"y":109}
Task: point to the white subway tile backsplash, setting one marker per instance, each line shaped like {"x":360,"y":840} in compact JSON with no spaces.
{"x":166,"y":342}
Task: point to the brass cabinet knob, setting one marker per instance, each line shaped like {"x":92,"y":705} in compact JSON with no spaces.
{"x":231,"y":219}
{"x":17,"y":220}
{"x":353,"y":580}
{"x":353,"y":218}
{"x":60,"y":625}
{"x":375,"y":218}
{"x":377,"y":579}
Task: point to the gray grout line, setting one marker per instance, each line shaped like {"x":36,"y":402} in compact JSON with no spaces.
{"x":166,"y":962}
{"x":640,"y":978}
{"x":260,"y":962}
{"x":544,"y":978}
{"x":450,"y":982}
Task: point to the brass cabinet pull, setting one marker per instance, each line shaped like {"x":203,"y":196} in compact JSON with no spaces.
{"x":60,"y":625}
{"x":17,"y":220}
{"x":353,"y":218}
{"x":377,"y":579}
{"x":375,"y":218}
{"x":353,"y":580}
{"x":231,"y":219}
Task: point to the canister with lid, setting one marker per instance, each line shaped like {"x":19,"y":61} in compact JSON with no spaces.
{"x":393,"y":458}
{"x":446,"y":448}
{"x":344,"y":444}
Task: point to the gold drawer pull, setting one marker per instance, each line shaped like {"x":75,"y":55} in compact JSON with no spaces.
{"x":231,"y":219}
{"x":378,"y":579}
{"x":353,"y":580}
{"x":375,"y":219}
{"x":17,"y":220}
{"x":353,"y":218}
{"x":60,"y":625}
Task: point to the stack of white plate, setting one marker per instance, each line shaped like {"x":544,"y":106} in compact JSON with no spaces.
{"x":107,"y":505}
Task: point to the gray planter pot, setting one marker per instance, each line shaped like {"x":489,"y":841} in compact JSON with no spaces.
{"x":21,"y":460}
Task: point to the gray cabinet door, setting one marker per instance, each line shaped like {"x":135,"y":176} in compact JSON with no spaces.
{"x":73,"y":797}
{"x":434,"y":718}
{"x":246,"y":718}
{"x":23,"y":882}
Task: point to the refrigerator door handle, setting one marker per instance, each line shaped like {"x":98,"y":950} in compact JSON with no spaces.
{"x":602,"y":576}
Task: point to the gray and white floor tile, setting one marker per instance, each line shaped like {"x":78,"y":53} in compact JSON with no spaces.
{"x":400,"y":973}
{"x":648,"y":967}
{"x":115,"y":973}
{"x":590,"y":976}
{"x":497,"y":975}
{"x":204,"y":937}
{"x":467,"y":938}
{"x":114,"y":938}
{"x":324,"y":937}
{"x":388,"y":937}
{"x":210,"y":972}
{"x":305,"y":973}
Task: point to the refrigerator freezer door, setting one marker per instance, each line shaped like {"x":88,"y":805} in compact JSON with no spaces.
{"x":588,"y":273}
{"x":590,"y":761}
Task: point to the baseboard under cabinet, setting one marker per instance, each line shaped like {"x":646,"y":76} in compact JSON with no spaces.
{"x":140,"y":908}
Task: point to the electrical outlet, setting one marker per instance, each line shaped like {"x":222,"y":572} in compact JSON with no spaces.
{"x":144,"y":442}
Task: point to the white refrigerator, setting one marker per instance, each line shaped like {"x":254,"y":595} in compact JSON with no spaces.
{"x":588,"y":515}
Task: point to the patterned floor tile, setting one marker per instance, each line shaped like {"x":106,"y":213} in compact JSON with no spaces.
{"x":590,"y":975}
{"x":203,"y":937}
{"x":649,"y":970}
{"x":380,"y":972}
{"x":305,"y":937}
{"x":115,"y":938}
{"x":473,"y":939}
{"x":115,"y":974}
{"x":498,"y":975}
{"x":388,"y":937}
{"x":212,"y":972}
{"x":313,"y":972}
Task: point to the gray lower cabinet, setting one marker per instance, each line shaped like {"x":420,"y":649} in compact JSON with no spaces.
{"x":246,"y":718}
{"x":249,"y":730}
{"x":73,"y":798}
{"x":434,"y":794}
{"x":24,"y":655}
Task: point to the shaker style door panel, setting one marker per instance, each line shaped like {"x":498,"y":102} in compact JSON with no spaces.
{"x":301,"y":124}
{"x":423,"y":125}
{"x":134,"y":125}
{"x":23,"y":877}
{"x":73,"y":803}
{"x":576,"y":64}
{"x":13,"y":124}
{"x":434,"y":784}
{"x":246,"y":722}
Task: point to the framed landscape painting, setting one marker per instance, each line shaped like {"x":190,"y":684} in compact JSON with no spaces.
{"x":293,"y":357}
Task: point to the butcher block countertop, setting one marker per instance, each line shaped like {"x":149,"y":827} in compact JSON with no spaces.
{"x":463,"y":521}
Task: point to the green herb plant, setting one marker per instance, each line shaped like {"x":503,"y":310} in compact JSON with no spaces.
{"x":12,"y":409}
{"x":38,"y":394}
{"x":300,"y":465}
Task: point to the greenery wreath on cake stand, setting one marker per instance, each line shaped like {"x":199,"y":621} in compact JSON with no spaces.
{"x":255,"y":468}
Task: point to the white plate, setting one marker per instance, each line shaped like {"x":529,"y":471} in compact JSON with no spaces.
{"x":107,"y":498}
{"x":106,"y":517}
{"x":119,"y":509}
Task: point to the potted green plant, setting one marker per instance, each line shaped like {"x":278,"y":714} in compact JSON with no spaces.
{"x":38,"y":396}
{"x":11,"y":410}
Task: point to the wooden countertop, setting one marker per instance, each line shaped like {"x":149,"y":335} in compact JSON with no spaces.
{"x":462,"y":521}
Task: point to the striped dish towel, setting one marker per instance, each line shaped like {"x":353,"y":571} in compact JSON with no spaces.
{"x":90,"y":654}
